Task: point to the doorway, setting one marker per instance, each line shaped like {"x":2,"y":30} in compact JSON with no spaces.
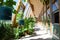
{"x":56,"y":17}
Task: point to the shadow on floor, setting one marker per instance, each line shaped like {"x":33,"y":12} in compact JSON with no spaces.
{"x":41,"y":39}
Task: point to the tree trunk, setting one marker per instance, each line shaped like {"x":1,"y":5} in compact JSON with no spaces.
{"x":43,"y":12}
{"x":14,"y":16}
{"x":46,"y":16}
{"x":51,"y":21}
{"x":46,"y":13}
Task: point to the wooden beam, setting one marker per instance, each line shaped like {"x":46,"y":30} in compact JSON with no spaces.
{"x":14,"y":15}
{"x":18,"y":5}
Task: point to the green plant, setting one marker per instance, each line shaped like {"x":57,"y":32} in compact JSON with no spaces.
{"x":19,"y":16}
{"x":27,"y":28}
{"x":9,"y":3}
{"x":48,"y":21}
{"x":29,"y":24}
{"x":16,"y":32}
{"x":6,"y":32}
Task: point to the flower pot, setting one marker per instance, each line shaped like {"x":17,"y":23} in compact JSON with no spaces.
{"x":21,"y":22}
{"x":5,"y":13}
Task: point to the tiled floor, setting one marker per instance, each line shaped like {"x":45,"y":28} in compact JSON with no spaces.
{"x":40,"y":34}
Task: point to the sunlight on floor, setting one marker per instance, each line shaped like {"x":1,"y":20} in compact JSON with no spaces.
{"x":41,"y":33}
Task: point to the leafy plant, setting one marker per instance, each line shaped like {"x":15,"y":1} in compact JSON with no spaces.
{"x":6,"y":32}
{"x":19,"y":16}
{"x":29,"y":24}
{"x":9,"y":3}
{"x":48,"y":21}
{"x":27,"y":28}
{"x":16,"y":32}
